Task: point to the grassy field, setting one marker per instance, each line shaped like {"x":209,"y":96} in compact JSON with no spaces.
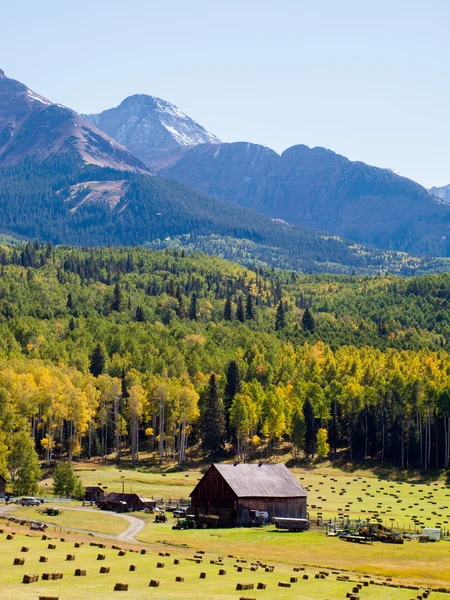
{"x":213,"y":587}
{"x":89,"y":521}
{"x":331,"y":493}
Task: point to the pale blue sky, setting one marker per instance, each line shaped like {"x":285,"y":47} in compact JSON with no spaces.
{"x":368,"y":79}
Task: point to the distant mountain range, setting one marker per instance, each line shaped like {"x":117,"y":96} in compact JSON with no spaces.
{"x":63,"y":179}
{"x":312,"y":187}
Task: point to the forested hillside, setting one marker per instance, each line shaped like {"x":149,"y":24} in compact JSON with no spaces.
{"x":103,"y":351}
{"x":62,"y":201}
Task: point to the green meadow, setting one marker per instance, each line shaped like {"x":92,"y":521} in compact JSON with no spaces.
{"x":215,"y":586}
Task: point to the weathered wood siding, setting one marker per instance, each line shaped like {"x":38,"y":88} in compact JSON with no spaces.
{"x":2,"y":487}
{"x":213,"y":496}
{"x":294,"y":508}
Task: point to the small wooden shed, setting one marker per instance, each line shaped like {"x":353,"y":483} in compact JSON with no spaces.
{"x":229,"y":495}
{"x":93,"y":493}
{"x":2,"y":486}
{"x":121,"y":502}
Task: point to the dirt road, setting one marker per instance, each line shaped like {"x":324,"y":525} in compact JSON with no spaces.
{"x":135,"y":526}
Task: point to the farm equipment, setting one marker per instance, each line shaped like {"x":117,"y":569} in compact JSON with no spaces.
{"x":187,"y":523}
{"x":291,"y":524}
{"x":366,"y":532}
{"x":160,"y":518}
{"x":51,"y":512}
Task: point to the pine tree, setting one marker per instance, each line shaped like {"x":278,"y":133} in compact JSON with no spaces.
{"x":97,"y":361}
{"x":227,"y":311}
{"x":249,"y":307}
{"x":193,"y":307}
{"x":72,"y":324}
{"x":213,"y":420}
{"x":310,"y":432}
{"x":233,"y":386}
{"x":240,"y":315}
{"x":308,"y":322}
{"x":179,"y":297}
{"x":280,"y":319}
{"x":117,"y":301}
{"x":69,"y":301}
{"x":139,"y":316}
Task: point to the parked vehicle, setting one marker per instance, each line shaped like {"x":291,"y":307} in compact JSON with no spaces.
{"x":29,"y":501}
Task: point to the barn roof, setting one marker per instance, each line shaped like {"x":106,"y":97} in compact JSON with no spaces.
{"x":119,"y":497}
{"x":272,"y":481}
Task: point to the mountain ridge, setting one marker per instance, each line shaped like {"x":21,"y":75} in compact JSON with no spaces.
{"x":30,"y":124}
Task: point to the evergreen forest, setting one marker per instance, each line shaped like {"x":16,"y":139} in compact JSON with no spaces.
{"x":110,"y":352}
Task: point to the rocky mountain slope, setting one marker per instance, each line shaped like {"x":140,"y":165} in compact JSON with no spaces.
{"x":443,"y":193}
{"x":152,"y":129}
{"x":31,"y":125}
{"x":317,"y":188}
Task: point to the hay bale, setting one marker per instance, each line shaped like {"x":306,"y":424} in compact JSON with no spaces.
{"x":261,"y":586}
{"x":176,"y":561}
{"x":284,"y":584}
{"x":222,"y":572}
{"x":305,"y":576}
{"x":70,"y":557}
{"x":160,"y":565}
{"x":154,"y":583}
{"x":19,"y":561}
{"x":132,"y":568}
{"x":43,"y":559}
{"x":10,"y":536}
{"x":48,"y":597}
{"x":179,"y":579}
{"x":52,"y":576}
{"x":101,"y":556}
{"x":294,"y":579}
{"x":25,"y":549}
{"x":143,"y":551}
{"x":121,"y":587}
{"x":77,"y":545}
{"x":203,"y":575}
{"x":30,"y":578}
{"x":80,"y":572}
{"x":245,"y":586}
{"x":105,"y":569}
{"x":122,"y":553}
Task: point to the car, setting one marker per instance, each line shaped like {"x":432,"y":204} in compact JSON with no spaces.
{"x":29,"y":501}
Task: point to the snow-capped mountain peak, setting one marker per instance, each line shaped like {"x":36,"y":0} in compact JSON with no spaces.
{"x":152,"y":128}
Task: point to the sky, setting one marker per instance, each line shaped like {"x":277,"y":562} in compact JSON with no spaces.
{"x":368,"y":79}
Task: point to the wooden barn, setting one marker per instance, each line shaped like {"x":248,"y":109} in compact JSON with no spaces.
{"x":229,"y":495}
{"x":2,"y":486}
{"x":121,"y":502}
